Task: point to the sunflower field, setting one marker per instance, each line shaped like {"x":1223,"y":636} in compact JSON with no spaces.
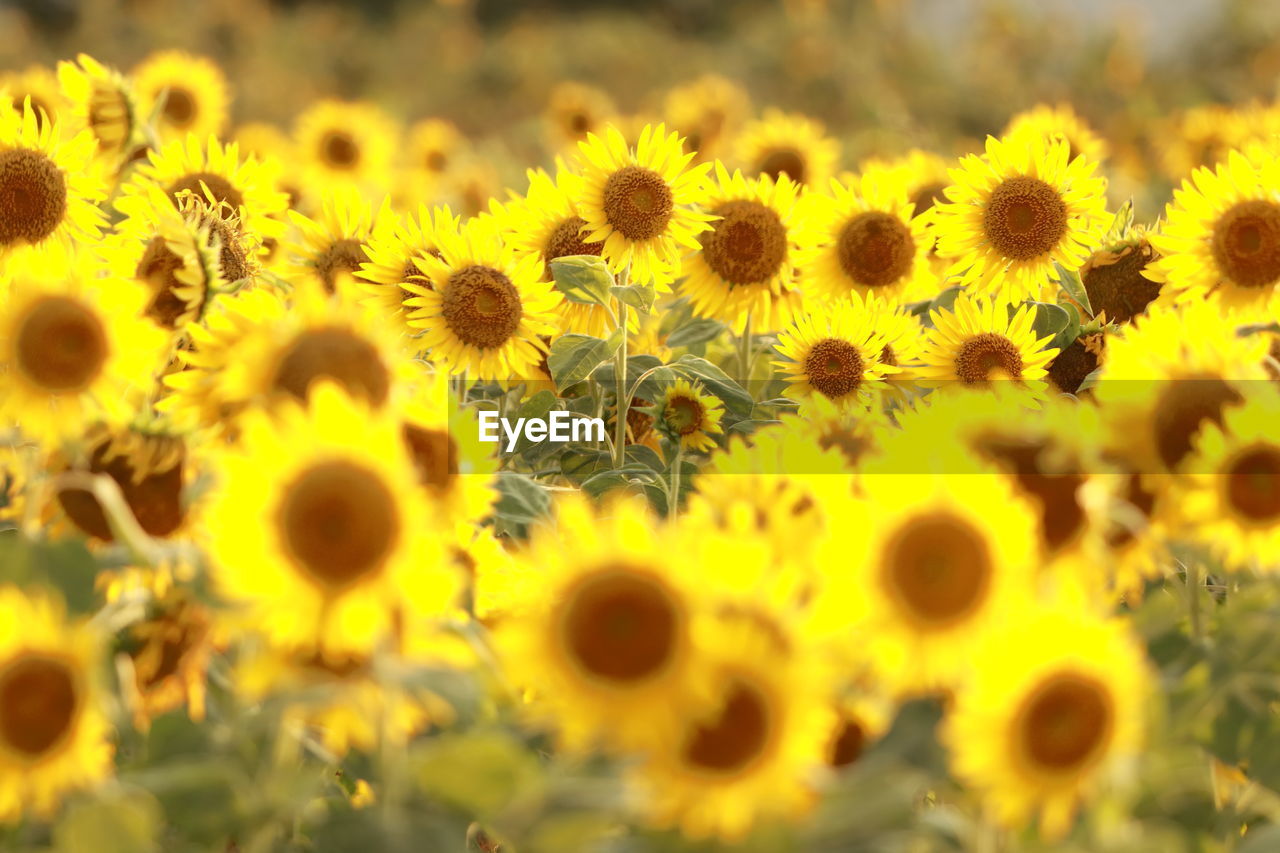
{"x":816,"y":425}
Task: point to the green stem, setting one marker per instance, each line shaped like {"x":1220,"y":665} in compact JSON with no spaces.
{"x":1193,"y":600}
{"x":744,"y":351}
{"x":673,"y":500}
{"x":620,"y":379}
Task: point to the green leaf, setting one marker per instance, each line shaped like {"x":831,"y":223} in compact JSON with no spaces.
{"x":584,"y":279}
{"x":538,"y":407}
{"x":696,"y":331}
{"x":1121,"y":223}
{"x":65,"y":565}
{"x":1049,"y":321}
{"x":639,"y":297}
{"x":123,"y":821}
{"x":946,"y":299}
{"x":1073,"y":288}
{"x":573,"y":357}
{"x":521,"y":502}
{"x":734,"y":396}
{"x":480,"y":773}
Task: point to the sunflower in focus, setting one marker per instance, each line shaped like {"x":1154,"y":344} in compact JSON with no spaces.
{"x":1018,"y":213}
{"x":1221,"y":236}
{"x":482,"y":309}
{"x":334,"y":247}
{"x":1061,"y":120}
{"x":575,"y":111}
{"x":687,"y":414}
{"x":746,"y":266}
{"x":837,"y":352}
{"x":1060,"y":698}
{"x":637,"y":202}
{"x":391,"y":249}
{"x":48,"y":191}
{"x":103,"y":101}
{"x":74,"y":346}
{"x":315,"y":532}
{"x":347,"y":144}
{"x":786,"y":144}
{"x":707,"y":112}
{"x":193,"y":89}
{"x":54,"y":736}
{"x":40,"y":86}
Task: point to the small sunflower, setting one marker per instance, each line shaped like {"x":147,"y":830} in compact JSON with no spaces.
{"x":747,"y":261}
{"x":637,"y":202}
{"x":924,"y":174}
{"x":54,"y":735}
{"x":346,"y":143}
{"x":335,"y":246}
{"x":1060,"y":697}
{"x":1221,"y":235}
{"x":1018,"y":213}
{"x":169,"y":656}
{"x":575,"y":111}
{"x":707,"y":112}
{"x":315,"y":532}
{"x":869,"y":241}
{"x":688,"y":415}
{"x":1059,"y":121}
{"x":74,"y":347}
{"x":837,"y":352}
{"x":103,"y":101}
{"x":391,"y":249}
{"x":194,"y":92}
{"x":482,"y":309}
{"x":48,"y":191}
{"x":787,"y":144}
{"x":982,"y":340}
{"x":39,"y":85}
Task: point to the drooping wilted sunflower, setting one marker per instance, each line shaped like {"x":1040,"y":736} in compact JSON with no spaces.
{"x":837,"y":351}
{"x":787,"y":144}
{"x":746,"y":266}
{"x":1221,"y":235}
{"x":1060,"y":698}
{"x":869,"y":242}
{"x":169,"y":658}
{"x":39,"y":85}
{"x":103,"y":101}
{"x":53,"y":732}
{"x":315,"y":531}
{"x":194,"y":91}
{"x":391,"y":248}
{"x":980,"y":341}
{"x":636,"y":201}
{"x":74,"y":347}
{"x":707,"y":112}
{"x":48,"y":192}
{"x":480,"y":307}
{"x":575,"y":111}
{"x":1017,"y":213}
{"x":346,"y":143}
{"x":333,"y":248}
{"x":1045,"y":121}
{"x":1119,"y":278}
{"x":687,"y":414}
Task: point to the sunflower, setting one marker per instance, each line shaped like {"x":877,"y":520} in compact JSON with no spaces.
{"x":482,"y":309}
{"x":1231,"y":495}
{"x":1221,"y":237}
{"x":576,"y":111}
{"x":923,"y":173}
{"x":48,"y":192}
{"x":169,"y":657}
{"x":1060,"y":697}
{"x":862,"y":718}
{"x":217,"y":175}
{"x":315,"y":532}
{"x":920,"y":566}
{"x":606,"y":630}
{"x":391,"y":248}
{"x":192,"y":89}
{"x":636,"y":201}
{"x":74,"y":346}
{"x":1120,"y":278}
{"x":346,"y":143}
{"x":688,"y":415}
{"x":1200,"y":137}
{"x":787,"y":144}
{"x":869,"y":242}
{"x":546,"y":225}
{"x":1059,"y":121}
{"x":333,"y":247}
{"x":983,"y":340}
{"x":1169,"y":373}
{"x":707,"y":112}
{"x":754,"y":758}
{"x":746,"y":265}
{"x":1019,"y":213}
{"x":433,"y":149}
{"x":40,"y":86}
{"x":103,"y":101}
{"x":53,"y":732}
{"x":837,"y":352}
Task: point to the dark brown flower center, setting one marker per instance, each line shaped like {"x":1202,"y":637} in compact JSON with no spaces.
{"x":222,"y":190}
{"x":61,"y":345}
{"x":875,"y":249}
{"x":1182,"y":409}
{"x":834,"y":367}
{"x":1073,"y":364}
{"x":1115,"y":283}
{"x":38,"y":704}
{"x":620,"y":625}
{"x":567,"y":240}
{"x":482,"y":307}
{"x":638,"y":202}
{"x":784,"y":161}
{"x":333,"y":353}
{"x":685,"y":414}
{"x":984,"y":353}
{"x":937,"y":568}
{"x":154,"y":498}
{"x":1253,"y":484}
{"x":1066,"y":722}
{"x":1024,"y":218}
{"x":343,"y":256}
{"x":179,"y":107}
{"x":339,"y":521}
{"x":1061,"y":515}
{"x":435,"y":455}
{"x":849,"y":743}
{"x":1246,"y":243}
{"x":338,"y":149}
{"x":747,"y":245}
{"x":33,"y":196}
{"x":927,"y":196}
{"x":158,"y":267}
{"x":735,"y":739}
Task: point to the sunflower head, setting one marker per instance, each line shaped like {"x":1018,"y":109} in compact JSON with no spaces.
{"x":688,"y":415}
{"x":346,"y":143}
{"x":190,"y":92}
{"x":785,"y":144}
{"x":707,"y":112}
{"x":105,"y":102}
{"x":838,"y":352}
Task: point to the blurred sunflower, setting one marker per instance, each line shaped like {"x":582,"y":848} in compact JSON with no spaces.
{"x":48,"y":192}
{"x":1019,"y":213}
{"x":481,"y":307}
{"x":315,"y":532}
{"x":1045,"y":121}
{"x":334,"y":247}
{"x":54,"y":736}
{"x":923,"y":173}
{"x":787,"y":144}
{"x":687,"y":414}
{"x":575,"y":111}
{"x":391,"y":249}
{"x":707,"y":112}
{"x":346,"y":143}
{"x":194,"y":92}
{"x":1061,"y":698}
{"x":746,"y":267}
{"x":870,"y":242}
{"x":636,"y":201}
{"x":40,"y":85}
{"x":432,"y":147}
{"x":103,"y":101}
{"x":836,"y":351}
{"x":169,"y":657}
{"x":981,"y":340}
